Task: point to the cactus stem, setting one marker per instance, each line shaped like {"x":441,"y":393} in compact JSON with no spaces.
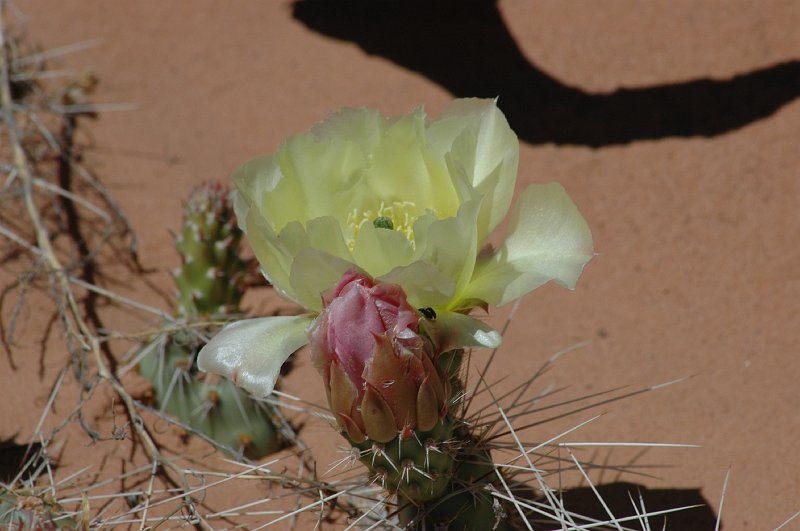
{"x":406,"y":511}
{"x":378,"y":450}
{"x":430,"y":477}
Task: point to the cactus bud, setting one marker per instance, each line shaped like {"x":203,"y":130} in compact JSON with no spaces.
{"x":377,"y":368}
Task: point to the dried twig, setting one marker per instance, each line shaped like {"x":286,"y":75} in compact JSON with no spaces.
{"x":81,"y":336}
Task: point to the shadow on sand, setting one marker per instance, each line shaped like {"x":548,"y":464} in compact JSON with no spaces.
{"x":620,"y":498}
{"x":465,"y":46}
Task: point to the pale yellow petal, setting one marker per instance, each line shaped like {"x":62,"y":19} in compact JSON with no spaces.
{"x":403,"y":169}
{"x":424,"y":285}
{"x":378,"y":251}
{"x":363,"y":126}
{"x":325,"y":234}
{"x":451,"y":244}
{"x":548,"y":240}
{"x":272,"y":255}
{"x":476,"y":141}
{"x":321,"y":175}
{"x":314,"y":272}
{"x":255,"y":179}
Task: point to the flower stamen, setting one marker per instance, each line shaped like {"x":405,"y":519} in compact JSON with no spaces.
{"x":398,"y":215}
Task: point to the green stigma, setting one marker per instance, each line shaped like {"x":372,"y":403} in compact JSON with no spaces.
{"x":382,"y":222}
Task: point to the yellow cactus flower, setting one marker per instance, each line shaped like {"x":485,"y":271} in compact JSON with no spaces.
{"x":406,"y":200}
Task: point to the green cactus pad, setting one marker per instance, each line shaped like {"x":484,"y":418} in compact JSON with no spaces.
{"x":210,"y":285}
{"x":211,"y":406}
{"x":211,"y":277}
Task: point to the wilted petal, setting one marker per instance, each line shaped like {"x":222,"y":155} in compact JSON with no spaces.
{"x":548,"y":240}
{"x":455,"y":330}
{"x":250,"y":352}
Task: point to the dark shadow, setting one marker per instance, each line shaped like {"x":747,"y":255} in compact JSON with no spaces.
{"x":617,"y":496}
{"x":13,"y":457}
{"x":465,"y":47}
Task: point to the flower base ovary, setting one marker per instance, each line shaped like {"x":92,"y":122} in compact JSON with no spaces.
{"x":418,"y":467}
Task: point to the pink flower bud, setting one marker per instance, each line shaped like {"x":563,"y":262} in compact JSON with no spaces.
{"x":378,"y":371}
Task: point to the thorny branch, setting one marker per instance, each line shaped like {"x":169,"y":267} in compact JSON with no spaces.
{"x":82,"y":337}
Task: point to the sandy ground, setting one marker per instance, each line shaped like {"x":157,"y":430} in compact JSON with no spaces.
{"x":674,"y":125}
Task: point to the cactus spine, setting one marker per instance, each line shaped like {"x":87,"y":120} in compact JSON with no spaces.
{"x":210,"y":282}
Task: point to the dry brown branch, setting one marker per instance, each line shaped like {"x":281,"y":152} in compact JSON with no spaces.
{"x":82,"y":338}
